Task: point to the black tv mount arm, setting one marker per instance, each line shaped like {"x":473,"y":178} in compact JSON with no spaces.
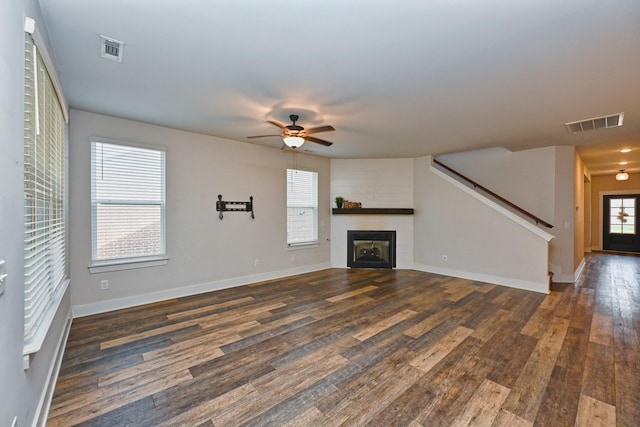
{"x":223,"y":206}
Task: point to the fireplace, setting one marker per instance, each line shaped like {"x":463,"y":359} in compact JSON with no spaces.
{"x":371,"y":249}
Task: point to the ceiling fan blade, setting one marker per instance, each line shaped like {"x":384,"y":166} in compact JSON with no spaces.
{"x":262,"y":136}
{"x":326,"y":128}
{"x":318,"y":140}
{"x":280,"y":125}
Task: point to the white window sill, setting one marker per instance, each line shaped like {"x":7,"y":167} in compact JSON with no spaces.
{"x":306,"y":245}
{"x":34,"y":344}
{"x":127,"y":265}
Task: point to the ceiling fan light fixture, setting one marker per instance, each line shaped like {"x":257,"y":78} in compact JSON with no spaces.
{"x":293,"y":141}
{"x":622,"y":175}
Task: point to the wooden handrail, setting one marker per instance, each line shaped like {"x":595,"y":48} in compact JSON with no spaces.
{"x":494,"y":195}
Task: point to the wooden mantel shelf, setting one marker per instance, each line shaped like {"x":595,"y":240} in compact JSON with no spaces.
{"x":372,"y":211}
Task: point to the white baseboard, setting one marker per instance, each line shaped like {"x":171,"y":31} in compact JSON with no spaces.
{"x":135,"y":300}
{"x":564,"y":278}
{"x":42,"y":411}
{"x":579,"y":270}
{"x":542,"y":287}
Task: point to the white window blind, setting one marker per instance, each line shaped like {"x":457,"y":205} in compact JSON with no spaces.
{"x":44,"y":194}
{"x":302,"y":207}
{"x":127,"y":203}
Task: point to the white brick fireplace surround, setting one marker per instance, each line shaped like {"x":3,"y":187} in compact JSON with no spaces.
{"x":376,"y":183}
{"x":402,"y":224}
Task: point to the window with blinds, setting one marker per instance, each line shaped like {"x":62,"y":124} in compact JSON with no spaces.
{"x":302,"y":207}
{"x":44,"y":196}
{"x":127,"y":203}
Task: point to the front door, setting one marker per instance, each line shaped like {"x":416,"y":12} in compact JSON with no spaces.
{"x":619,"y":222}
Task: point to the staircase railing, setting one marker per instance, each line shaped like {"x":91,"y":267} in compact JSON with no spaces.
{"x":493,"y":195}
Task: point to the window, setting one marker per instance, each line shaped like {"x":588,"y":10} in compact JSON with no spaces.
{"x":302,"y":207}
{"x":127,"y":203}
{"x":622,"y":216}
{"x":44,"y":199}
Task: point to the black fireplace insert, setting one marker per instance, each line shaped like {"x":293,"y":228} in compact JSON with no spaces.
{"x":371,"y":249}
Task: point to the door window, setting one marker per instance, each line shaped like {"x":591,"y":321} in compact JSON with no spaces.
{"x":622,"y":216}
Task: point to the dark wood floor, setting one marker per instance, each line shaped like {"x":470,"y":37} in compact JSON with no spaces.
{"x":364,"y":347}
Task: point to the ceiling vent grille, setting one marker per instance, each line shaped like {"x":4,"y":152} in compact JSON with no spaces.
{"x":111,"y":48}
{"x":603,"y":122}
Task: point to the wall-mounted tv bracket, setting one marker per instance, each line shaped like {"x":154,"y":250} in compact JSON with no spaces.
{"x":222,"y":206}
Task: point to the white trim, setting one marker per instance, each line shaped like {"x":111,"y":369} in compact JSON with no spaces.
{"x":579,"y":270}
{"x":36,"y":341}
{"x":127,"y":265}
{"x":29,"y":25}
{"x":132,"y":301}
{"x":542,"y":287}
{"x":127,"y":143}
{"x":601,"y":195}
{"x":297,"y":246}
{"x":515,"y":218}
{"x":316,"y":209}
{"x":140,"y":156}
{"x":38,"y":39}
{"x":42,"y":410}
{"x":564,"y":278}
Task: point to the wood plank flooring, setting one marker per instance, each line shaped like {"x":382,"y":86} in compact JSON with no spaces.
{"x":364,"y":347}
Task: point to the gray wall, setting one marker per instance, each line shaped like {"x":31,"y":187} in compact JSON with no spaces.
{"x":479,"y":242}
{"x":540,"y":181}
{"x":205,"y":253}
{"x":526,"y":178}
{"x":21,"y":391}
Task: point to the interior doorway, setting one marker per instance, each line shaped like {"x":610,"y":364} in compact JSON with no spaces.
{"x":620,"y":231}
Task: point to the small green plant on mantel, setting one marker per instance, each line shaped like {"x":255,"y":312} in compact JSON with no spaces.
{"x":339,"y":201}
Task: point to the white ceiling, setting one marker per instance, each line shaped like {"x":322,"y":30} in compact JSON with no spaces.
{"x":403,"y":78}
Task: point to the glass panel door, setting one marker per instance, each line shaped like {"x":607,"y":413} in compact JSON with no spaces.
{"x":619,"y":219}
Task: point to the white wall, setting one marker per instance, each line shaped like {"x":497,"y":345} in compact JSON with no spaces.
{"x":205,"y":253}
{"x":22,"y":392}
{"x":479,"y":242}
{"x":376,"y":183}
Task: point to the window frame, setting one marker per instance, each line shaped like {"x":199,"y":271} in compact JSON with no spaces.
{"x":45,"y":205}
{"x":623,"y":229}
{"x":315,"y":222}
{"x":132,"y":262}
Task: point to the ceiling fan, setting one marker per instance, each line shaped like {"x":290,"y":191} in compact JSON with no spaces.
{"x":294,"y":135}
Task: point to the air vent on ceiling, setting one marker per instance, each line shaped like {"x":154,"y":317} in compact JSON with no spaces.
{"x":111,"y":48}
{"x":604,"y":122}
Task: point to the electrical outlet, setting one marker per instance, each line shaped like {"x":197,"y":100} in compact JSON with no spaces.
{"x":104,"y":285}
{"x":445,"y":258}
{"x":256,"y":262}
{"x":293,"y":257}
